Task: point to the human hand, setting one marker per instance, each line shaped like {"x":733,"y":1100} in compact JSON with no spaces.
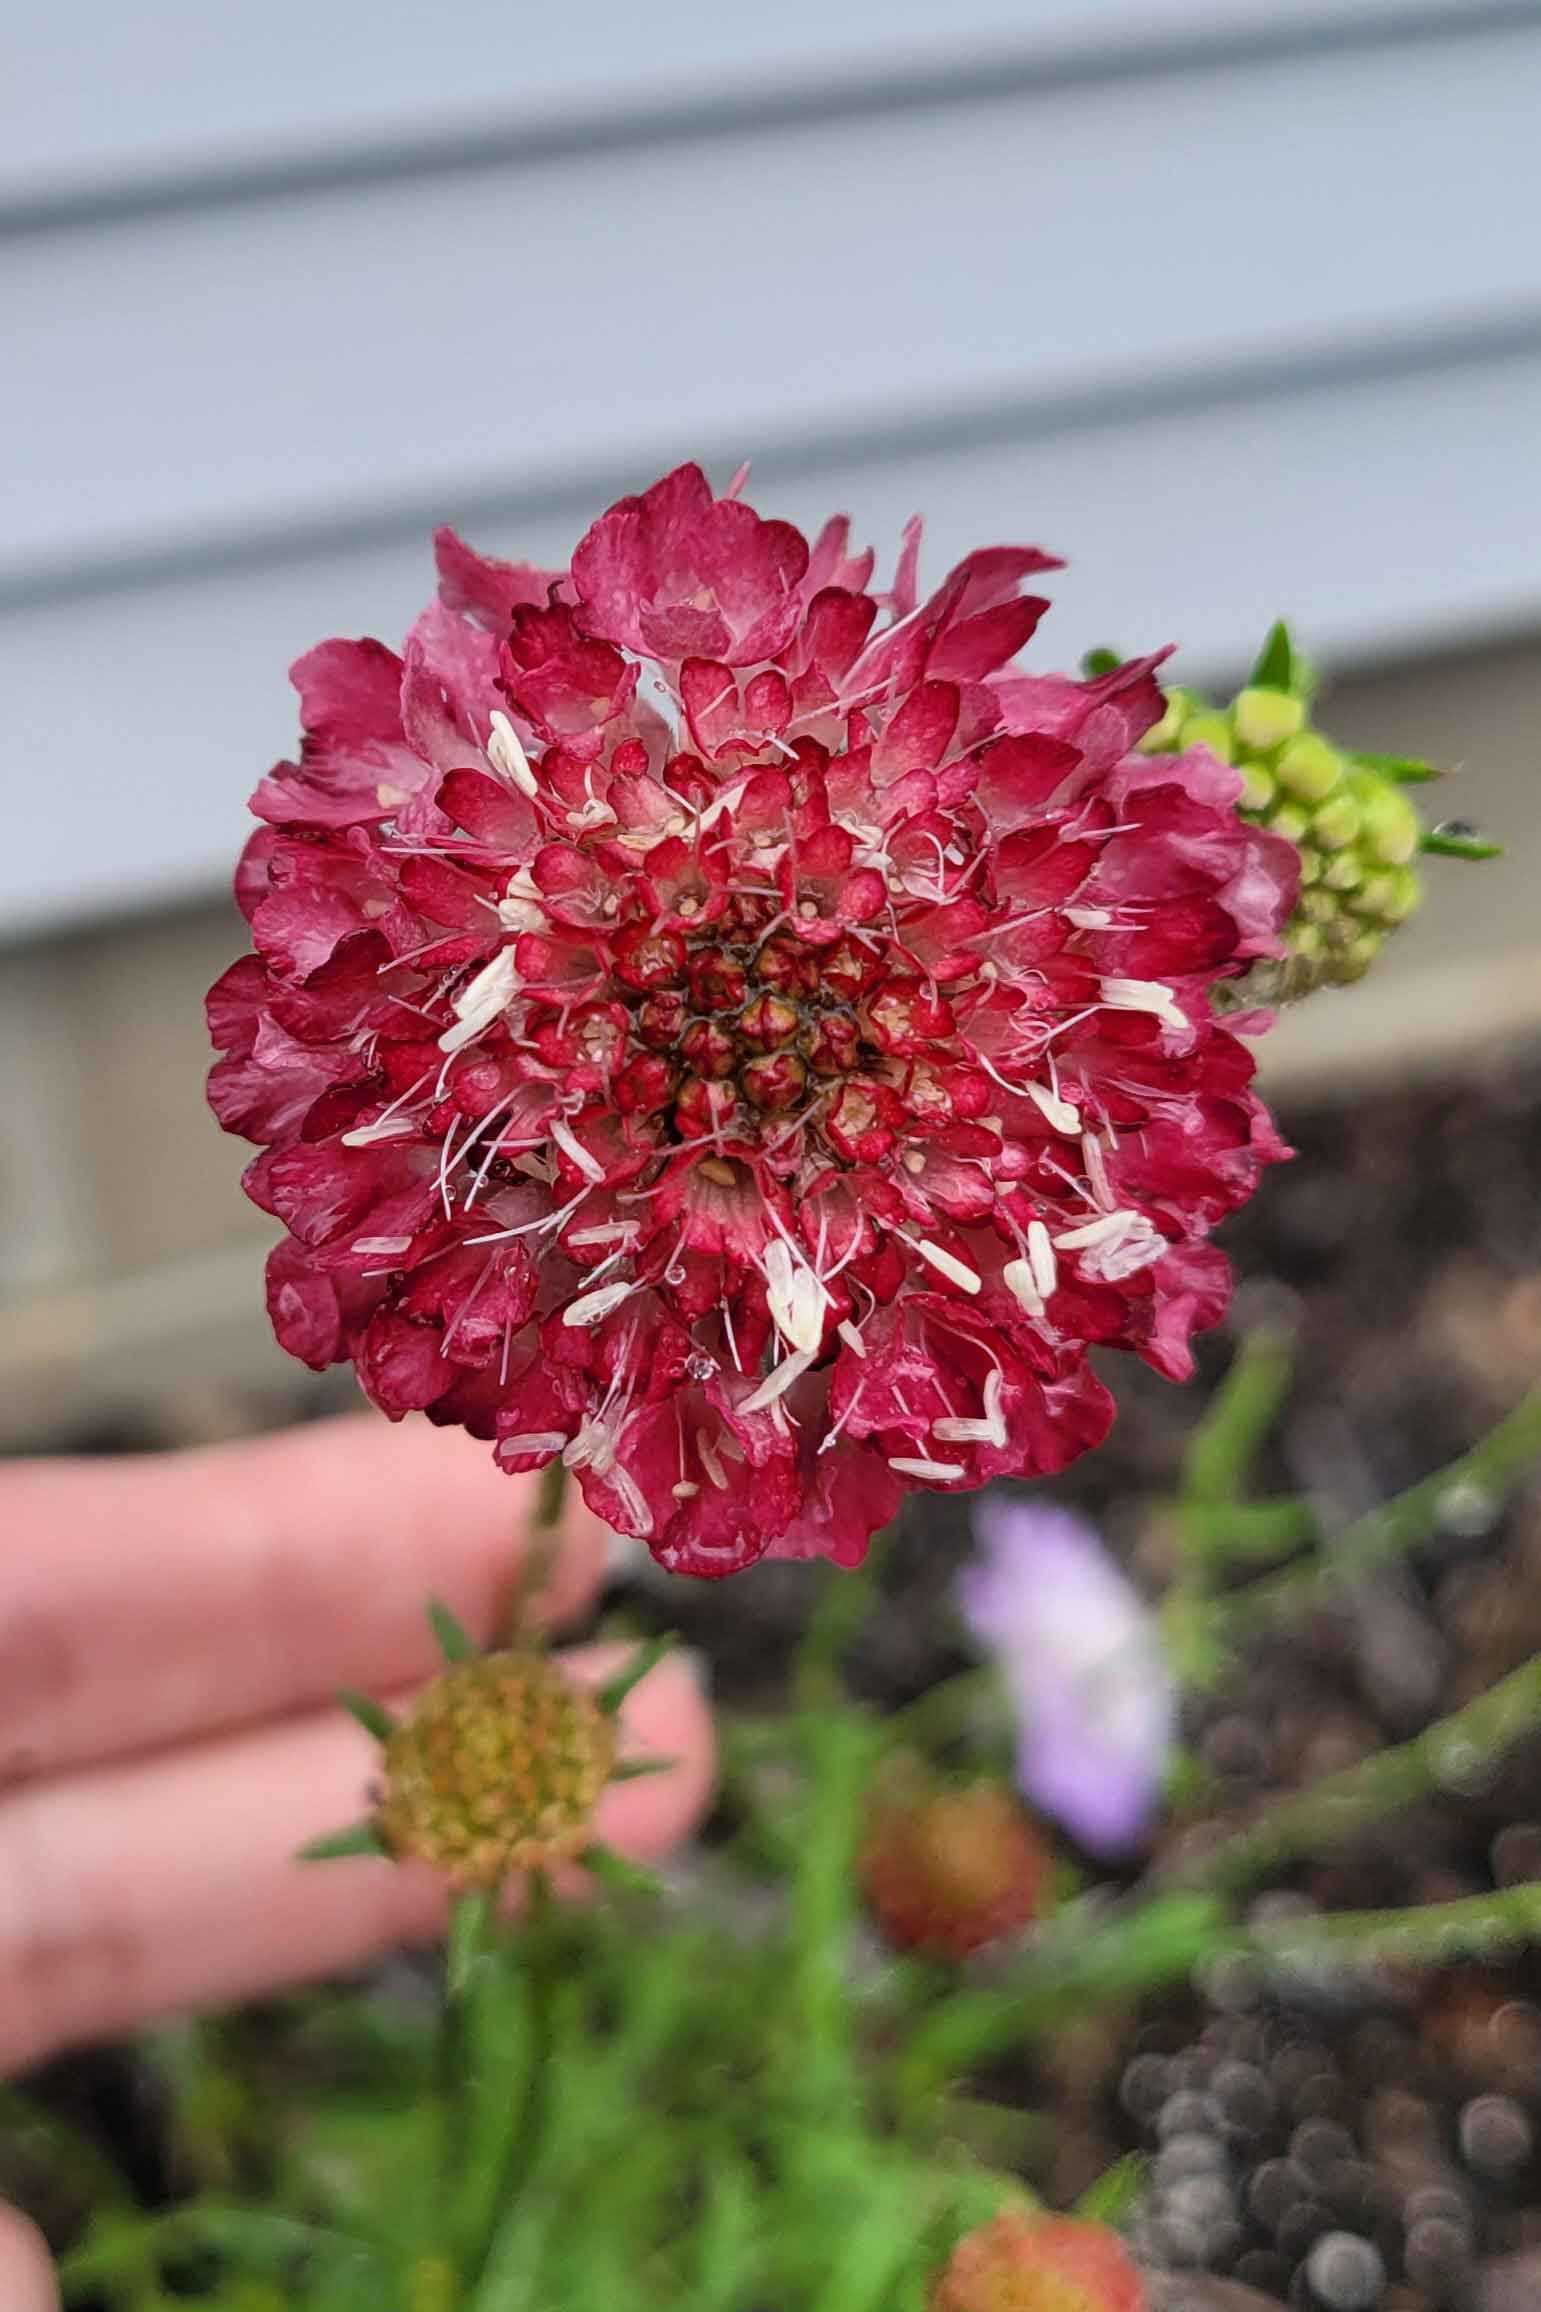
{"x":172,"y":1629}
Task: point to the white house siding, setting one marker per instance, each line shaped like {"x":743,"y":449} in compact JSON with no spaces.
{"x":1235,"y":302}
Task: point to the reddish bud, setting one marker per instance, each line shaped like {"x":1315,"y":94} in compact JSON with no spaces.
{"x":949,"y":1871}
{"x":832,"y":1043}
{"x":1022,"y":2262}
{"x":705,"y":1107}
{"x":646,"y":959}
{"x":717,"y":981}
{"x":661,"y":1020}
{"x":768,"y":1021}
{"x":775,"y":1081}
{"x":645,"y":1084}
{"x":709,"y":1048}
{"x":791,"y":971}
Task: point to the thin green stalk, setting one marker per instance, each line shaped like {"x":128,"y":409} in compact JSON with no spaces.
{"x":1456,"y":1748}
{"x":838,"y":1752}
{"x":267,"y":2241}
{"x":1429,"y":1934}
{"x":1385,"y":1533}
{"x":843,"y":1605}
{"x":946,"y":1712}
{"x":470,"y":1940}
{"x":518,"y":2146}
{"x":1223,"y":1447}
{"x":1228,"y":1533}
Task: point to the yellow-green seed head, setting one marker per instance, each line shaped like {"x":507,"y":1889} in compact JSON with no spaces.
{"x":1258,"y":788}
{"x":1165,"y":737}
{"x":1309,"y":768}
{"x":1390,"y":826}
{"x":498,"y":1767}
{"x":1335,"y":824}
{"x":1213,"y":731}
{"x":1264,"y":718}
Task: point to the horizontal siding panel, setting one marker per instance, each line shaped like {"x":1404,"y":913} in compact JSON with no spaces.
{"x":1380,"y":513}
{"x":97,"y":97}
{"x":259,"y":365}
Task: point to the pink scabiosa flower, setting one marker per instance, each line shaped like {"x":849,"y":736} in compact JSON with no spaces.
{"x":720,"y":1025}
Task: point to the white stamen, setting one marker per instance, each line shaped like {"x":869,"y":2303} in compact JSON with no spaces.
{"x":945,"y":1263}
{"x":1017,"y":1277}
{"x":932,"y":1472}
{"x":851,"y":1337}
{"x":383,"y":1128}
{"x":507,"y":755}
{"x":590,"y":1307}
{"x":796,"y":1298}
{"x":1146,"y":995}
{"x":776,"y":1384}
{"x":533,"y":1441}
{"x":710,"y":1461}
{"x":1055,"y":1112}
{"x":1105,"y":1229}
{"x":685,"y":1490}
{"x":382,"y":1243}
{"x":572,"y":1147}
{"x":593,"y":813}
{"x":990,"y":1431}
{"x":516,"y":913}
{"x":479,"y":1003}
{"x":1089,"y":918}
{"x":612,"y":1232}
{"x":1040,"y":1258}
{"x":1096,"y":1168}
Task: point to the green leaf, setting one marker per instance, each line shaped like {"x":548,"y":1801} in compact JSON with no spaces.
{"x":647,"y":1656}
{"x":1102,"y":661}
{"x":619,"y":1873}
{"x":454,"y":1639}
{"x":472,"y":1919}
{"x":1406,"y":770}
{"x":1448,"y":846}
{"x":633,"y":1769}
{"x":1111,"y":2198}
{"x":371,"y":1715}
{"x":1280,"y":665}
{"x":358,"y":1838}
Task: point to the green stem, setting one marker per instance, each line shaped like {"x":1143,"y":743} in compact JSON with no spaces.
{"x":1230,"y":1532}
{"x":1463,"y":1744}
{"x":470,"y":1941}
{"x":511,"y":2155}
{"x":550,"y":1496}
{"x":1471,"y":1927}
{"x":945,"y":1713}
{"x":1226,"y":1442}
{"x":1398,"y":1525}
{"x":837,"y":1752}
{"x":267,"y":2241}
{"x":843,"y":1605}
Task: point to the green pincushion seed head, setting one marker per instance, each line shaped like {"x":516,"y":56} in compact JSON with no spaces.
{"x":498,"y":1767}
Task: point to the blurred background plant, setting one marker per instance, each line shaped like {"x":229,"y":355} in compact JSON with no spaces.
{"x":754,"y":2088}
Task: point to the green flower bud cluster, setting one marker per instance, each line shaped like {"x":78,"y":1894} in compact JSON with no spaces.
{"x":1357,"y":834}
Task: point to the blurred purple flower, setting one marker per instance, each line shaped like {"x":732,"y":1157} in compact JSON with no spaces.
{"x":1094,"y":1697}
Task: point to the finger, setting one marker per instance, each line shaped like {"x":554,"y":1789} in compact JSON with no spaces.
{"x":149,"y":1599}
{"x":26,"y":2272}
{"x":170,"y":1882}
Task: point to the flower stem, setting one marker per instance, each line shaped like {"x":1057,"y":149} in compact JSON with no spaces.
{"x":1398,"y":1525}
{"x":1454,"y":1749}
{"x":1223,"y":1447}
